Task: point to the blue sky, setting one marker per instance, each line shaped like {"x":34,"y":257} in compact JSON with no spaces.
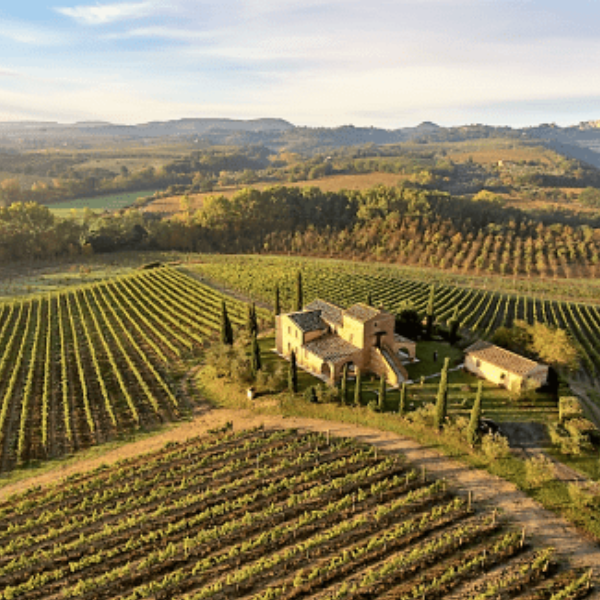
{"x":387,"y":63}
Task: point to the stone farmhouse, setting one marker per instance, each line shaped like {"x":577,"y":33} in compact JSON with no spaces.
{"x":325,"y":337}
{"x":504,"y":368}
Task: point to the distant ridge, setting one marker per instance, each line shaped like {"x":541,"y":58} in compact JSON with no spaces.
{"x":581,"y":141}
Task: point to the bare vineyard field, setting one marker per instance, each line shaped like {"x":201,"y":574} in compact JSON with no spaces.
{"x":80,"y":367}
{"x":266,"y":514}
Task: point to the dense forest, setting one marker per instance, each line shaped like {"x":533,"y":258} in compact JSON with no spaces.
{"x":392,"y":224}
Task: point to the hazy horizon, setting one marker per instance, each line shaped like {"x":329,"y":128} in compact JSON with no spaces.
{"x":384,"y":64}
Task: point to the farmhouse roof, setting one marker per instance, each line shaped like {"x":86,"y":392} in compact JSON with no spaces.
{"x":505,"y":359}
{"x":362,"y":312}
{"x":309,"y":320}
{"x":329,"y":312}
{"x":331,"y":347}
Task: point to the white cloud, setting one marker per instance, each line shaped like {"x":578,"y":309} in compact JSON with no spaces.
{"x":101,"y":14}
{"x":24,"y":33}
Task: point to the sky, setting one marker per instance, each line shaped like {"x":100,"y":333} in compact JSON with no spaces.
{"x":382,"y":63}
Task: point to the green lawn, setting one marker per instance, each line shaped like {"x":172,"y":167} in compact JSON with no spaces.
{"x":98,"y":203}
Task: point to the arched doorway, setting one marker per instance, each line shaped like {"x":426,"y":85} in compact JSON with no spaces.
{"x":326,"y":370}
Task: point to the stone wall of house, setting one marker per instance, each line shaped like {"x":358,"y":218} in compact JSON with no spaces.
{"x":539,"y":375}
{"x":309,"y":361}
{"x":278,"y":334}
{"x":352,"y":331}
{"x":292,"y":337}
{"x":493,"y":373}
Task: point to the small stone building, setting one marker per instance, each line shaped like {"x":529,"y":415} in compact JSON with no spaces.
{"x":325,"y":337}
{"x":504,"y":368}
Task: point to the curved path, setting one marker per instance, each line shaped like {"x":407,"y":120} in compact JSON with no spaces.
{"x":543,"y":526}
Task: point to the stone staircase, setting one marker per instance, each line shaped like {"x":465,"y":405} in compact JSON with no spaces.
{"x":395,"y":371}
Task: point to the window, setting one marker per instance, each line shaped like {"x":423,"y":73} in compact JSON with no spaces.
{"x":502,"y":375}
{"x":289,"y":330}
{"x":477,"y":363}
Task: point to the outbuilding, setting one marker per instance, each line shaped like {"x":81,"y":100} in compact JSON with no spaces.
{"x":504,"y":367}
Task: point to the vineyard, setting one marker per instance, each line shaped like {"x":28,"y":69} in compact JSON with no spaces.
{"x":79,"y":367}
{"x":266,"y":515}
{"x":481,"y":311}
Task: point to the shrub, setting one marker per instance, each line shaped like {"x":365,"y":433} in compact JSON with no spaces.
{"x":539,"y":470}
{"x":456,"y":429}
{"x":568,"y":407}
{"x":327,"y":393}
{"x":494,"y":446}
{"x":584,"y":495}
{"x":570,"y":438}
{"x":423,"y":416}
{"x":374,"y":406}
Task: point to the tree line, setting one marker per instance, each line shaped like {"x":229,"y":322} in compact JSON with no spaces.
{"x":392,"y":224}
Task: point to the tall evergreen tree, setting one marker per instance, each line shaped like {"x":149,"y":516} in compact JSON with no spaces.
{"x":402,"y":403}
{"x":358,"y":388}
{"x":369,"y":298}
{"x":454,"y":325}
{"x":299,"y":294}
{"x":226,"y":329}
{"x":344,"y":384}
{"x":441,"y":405}
{"x":255,"y":359}
{"x":277,"y":301}
{"x":382,"y":392}
{"x":429,"y":316}
{"x":474,"y":429}
{"x":293,"y":375}
{"x":252,"y":320}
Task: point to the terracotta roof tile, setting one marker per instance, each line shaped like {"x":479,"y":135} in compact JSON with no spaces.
{"x":331,"y":347}
{"x":309,"y":320}
{"x":329,"y":312}
{"x":362,"y":312}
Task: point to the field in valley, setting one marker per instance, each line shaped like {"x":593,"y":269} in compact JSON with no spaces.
{"x":361,"y":181}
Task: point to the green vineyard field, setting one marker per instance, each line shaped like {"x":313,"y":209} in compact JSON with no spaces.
{"x":265,"y":515}
{"x":81,"y":366}
{"x":481,"y":311}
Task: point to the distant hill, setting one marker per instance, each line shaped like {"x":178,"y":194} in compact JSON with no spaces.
{"x":580,"y":141}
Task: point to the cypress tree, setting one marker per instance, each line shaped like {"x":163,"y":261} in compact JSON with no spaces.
{"x":299,"y":298}
{"x":254,"y":319}
{"x":473,"y":431}
{"x":358,"y":388}
{"x":344,"y":384}
{"x":429,"y":317}
{"x":255,"y":360}
{"x":293,"y":374}
{"x":277,"y":301}
{"x":382,"y":392}
{"x":226,"y":329}
{"x":369,"y":299}
{"x":402,"y":404}
{"x":454,"y":324}
{"x":441,"y":405}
